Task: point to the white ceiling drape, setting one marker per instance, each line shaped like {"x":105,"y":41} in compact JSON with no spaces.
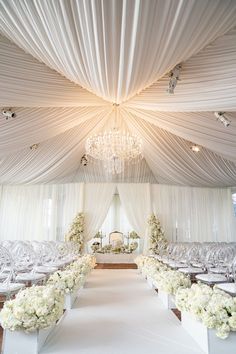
{"x":25,"y":82}
{"x":101,"y":45}
{"x":178,"y":166}
{"x":207,"y":82}
{"x":64,"y":62}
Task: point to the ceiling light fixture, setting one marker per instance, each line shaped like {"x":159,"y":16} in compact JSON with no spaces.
{"x":34,"y":147}
{"x":221,"y":116}
{"x":195,"y":148}
{"x":8,"y":113}
{"x":174,"y":78}
{"x":114,"y":148}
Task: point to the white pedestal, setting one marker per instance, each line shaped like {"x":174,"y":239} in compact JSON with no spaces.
{"x":70,"y":299}
{"x":19,"y":342}
{"x":166,"y":299}
{"x":150,"y":283}
{"x":206,"y":338}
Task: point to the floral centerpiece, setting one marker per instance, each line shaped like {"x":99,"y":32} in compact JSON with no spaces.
{"x":213,"y":307}
{"x":171,"y":280}
{"x":133,"y":235}
{"x":66,"y":280}
{"x":157,"y":236}
{"x":76,"y":231}
{"x":33,"y":308}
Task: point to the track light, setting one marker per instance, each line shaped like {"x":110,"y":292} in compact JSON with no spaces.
{"x":34,"y":147}
{"x":84,"y":160}
{"x":195,"y":148}
{"x":222,"y":118}
{"x":8,"y":113}
{"x":174,"y":78}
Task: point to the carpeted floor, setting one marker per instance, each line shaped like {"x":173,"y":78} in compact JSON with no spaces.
{"x":116,"y":313}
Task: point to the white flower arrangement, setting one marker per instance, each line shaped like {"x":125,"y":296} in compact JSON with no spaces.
{"x":213,"y":307}
{"x":133,"y":235}
{"x":66,"y":280}
{"x":33,"y":308}
{"x":83,"y":265}
{"x":150,"y":266}
{"x":76,"y":231}
{"x":171,"y":280}
{"x":157,"y":236}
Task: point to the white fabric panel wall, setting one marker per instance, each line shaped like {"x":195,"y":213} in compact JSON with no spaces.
{"x":136,"y":200}
{"x":40,"y":212}
{"x":195,"y":214}
{"x":97,"y":200}
{"x":116,"y":219}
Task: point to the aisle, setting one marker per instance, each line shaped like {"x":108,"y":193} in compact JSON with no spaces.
{"x":117,"y":314}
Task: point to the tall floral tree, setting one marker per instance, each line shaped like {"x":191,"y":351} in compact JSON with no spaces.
{"x":157,"y":235}
{"x":76,"y":231}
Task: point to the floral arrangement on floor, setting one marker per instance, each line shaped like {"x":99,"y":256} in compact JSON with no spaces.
{"x":213,"y":307}
{"x":33,"y":308}
{"x":83,"y":265}
{"x":157,"y":236}
{"x":76,"y":231}
{"x":171,"y":280}
{"x":66,"y":280}
{"x":150,"y":266}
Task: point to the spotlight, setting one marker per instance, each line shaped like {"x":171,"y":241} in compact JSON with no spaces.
{"x":174,"y":78}
{"x":195,"y":148}
{"x":222,"y":118}
{"x":34,"y":147}
{"x":8,"y":113}
{"x":84,"y":160}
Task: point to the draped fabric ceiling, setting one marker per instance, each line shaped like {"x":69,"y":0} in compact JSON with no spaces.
{"x":64,"y":63}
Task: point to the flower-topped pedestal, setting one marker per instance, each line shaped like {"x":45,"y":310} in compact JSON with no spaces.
{"x":76,"y":231}
{"x":21,"y":343}
{"x":206,"y":338}
{"x":30,"y":318}
{"x":158,"y":241}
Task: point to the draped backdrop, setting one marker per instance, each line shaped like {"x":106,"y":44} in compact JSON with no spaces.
{"x":65,"y":63}
{"x":44,"y":212}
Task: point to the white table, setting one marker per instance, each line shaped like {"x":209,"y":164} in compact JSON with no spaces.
{"x":115,"y":258}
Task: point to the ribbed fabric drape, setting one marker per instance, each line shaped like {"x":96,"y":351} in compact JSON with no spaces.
{"x":195,"y":214}
{"x":97,"y":200}
{"x":136,"y":201}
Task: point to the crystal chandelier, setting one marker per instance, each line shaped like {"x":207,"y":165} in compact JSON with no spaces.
{"x":114,"y":148}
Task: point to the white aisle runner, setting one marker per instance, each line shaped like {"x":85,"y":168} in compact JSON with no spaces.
{"x":118,"y":314}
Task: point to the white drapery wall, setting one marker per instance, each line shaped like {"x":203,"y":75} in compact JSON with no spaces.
{"x":116,"y":218}
{"x":40,"y":212}
{"x":195,"y":214}
{"x":97,"y":200}
{"x":45,"y":212}
{"x":136,"y":201}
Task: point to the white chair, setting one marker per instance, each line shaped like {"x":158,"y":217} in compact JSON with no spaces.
{"x":116,"y":239}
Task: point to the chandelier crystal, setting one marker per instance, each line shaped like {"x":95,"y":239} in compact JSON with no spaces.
{"x":115,"y":148}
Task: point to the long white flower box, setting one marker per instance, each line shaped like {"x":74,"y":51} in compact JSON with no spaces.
{"x":144,"y":274}
{"x":70,"y":299}
{"x":167,"y":299}
{"x":206,"y":338}
{"x":150,"y":282}
{"x":20,"y":342}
